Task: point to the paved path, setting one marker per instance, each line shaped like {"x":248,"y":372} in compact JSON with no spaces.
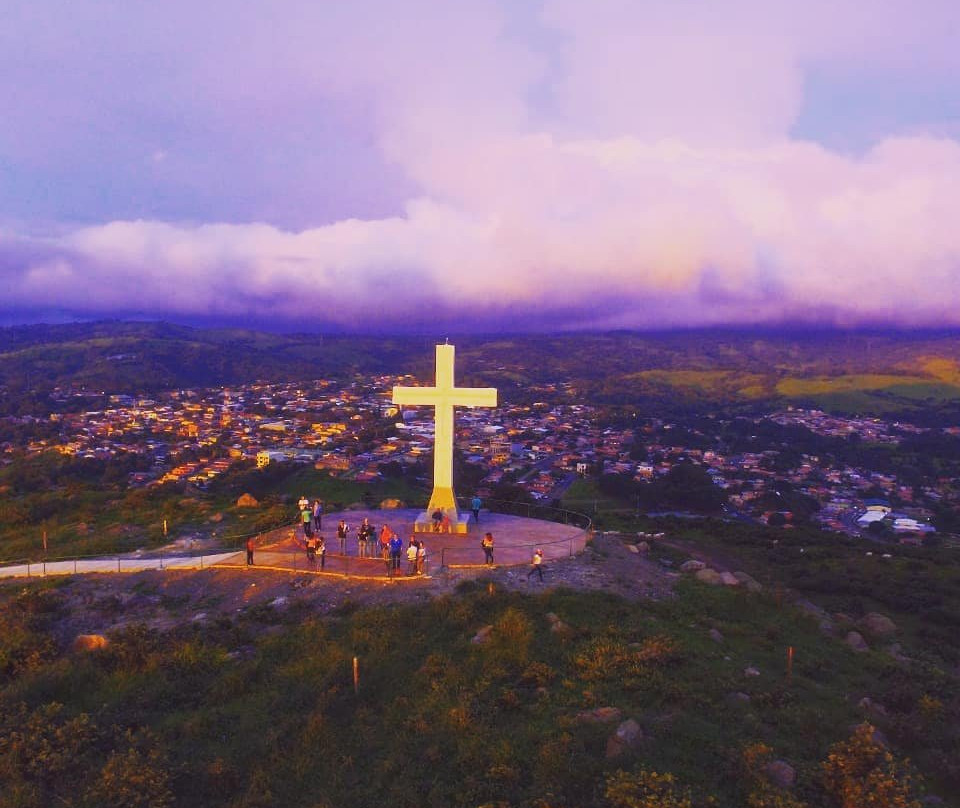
{"x":114,"y":564}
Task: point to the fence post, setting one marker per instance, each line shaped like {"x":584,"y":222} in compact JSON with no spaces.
{"x":74,"y":566}
{"x":44,"y":568}
{"x":118,"y":563}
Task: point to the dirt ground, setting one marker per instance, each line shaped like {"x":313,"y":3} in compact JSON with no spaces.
{"x":97,"y":603}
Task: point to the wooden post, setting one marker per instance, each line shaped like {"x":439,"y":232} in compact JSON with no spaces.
{"x":44,"y":542}
{"x":164,"y":527}
{"x":356,"y":676}
{"x":789,"y":662}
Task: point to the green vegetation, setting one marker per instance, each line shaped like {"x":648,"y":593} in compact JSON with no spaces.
{"x":86,"y":506}
{"x":230,"y":714}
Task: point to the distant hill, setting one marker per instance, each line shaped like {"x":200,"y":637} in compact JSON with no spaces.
{"x":868,"y":372}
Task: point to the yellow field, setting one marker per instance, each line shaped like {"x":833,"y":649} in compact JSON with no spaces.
{"x":749,"y":385}
{"x":818,"y":385}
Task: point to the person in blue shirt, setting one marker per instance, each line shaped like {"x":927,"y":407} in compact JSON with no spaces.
{"x":396,"y":550}
{"x":475,"y":504}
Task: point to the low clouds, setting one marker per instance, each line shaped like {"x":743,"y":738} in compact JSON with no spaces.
{"x":564,"y":165}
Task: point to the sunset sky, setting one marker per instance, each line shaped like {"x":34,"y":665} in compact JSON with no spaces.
{"x":478,"y":165}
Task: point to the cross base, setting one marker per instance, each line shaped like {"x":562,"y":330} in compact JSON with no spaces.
{"x":424,"y":524}
{"x":443,"y":500}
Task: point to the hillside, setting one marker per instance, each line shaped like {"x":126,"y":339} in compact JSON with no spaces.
{"x":878,"y":373}
{"x":235,"y":689}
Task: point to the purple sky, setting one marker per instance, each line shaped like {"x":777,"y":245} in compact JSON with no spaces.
{"x":519,"y":164}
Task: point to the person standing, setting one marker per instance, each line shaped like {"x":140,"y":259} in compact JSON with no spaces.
{"x":311,"y":552}
{"x":321,"y":551}
{"x":342,"y":530}
{"x":396,"y":550}
{"x":306,"y":516}
{"x":250,"y":547}
{"x":475,"y":504}
{"x":412,"y":557}
{"x":536,"y":565}
{"x":303,"y":503}
{"x":386,"y":534}
{"x":361,"y":542}
{"x":317,"y":514}
{"x":487,"y":544}
{"x":421,"y":556}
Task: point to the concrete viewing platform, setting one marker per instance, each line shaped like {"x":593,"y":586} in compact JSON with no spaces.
{"x":515,"y":538}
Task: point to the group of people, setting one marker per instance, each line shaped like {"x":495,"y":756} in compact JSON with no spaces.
{"x":385,"y":543}
{"x":316,"y":549}
{"x":371,"y":543}
{"x":311,"y":516}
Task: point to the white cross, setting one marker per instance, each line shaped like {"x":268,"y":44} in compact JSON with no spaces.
{"x":443,"y":397}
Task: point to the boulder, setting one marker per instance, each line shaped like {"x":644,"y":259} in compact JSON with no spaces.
{"x":878,"y":625}
{"x":600,"y":715}
{"x":780,"y":773}
{"x":629,"y":733}
{"x":729,"y":579}
{"x":557,"y":626}
{"x":856,"y":642}
{"x":750,"y":583}
{"x":627,"y":736}
{"x":643,"y":547}
{"x":709,"y":576}
{"x":247,"y":501}
{"x":692,"y":566}
{"x":482,"y":636}
{"x":715,"y":635}
{"x":751,"y":670}
{"x":737,"y":699}
{"x":811,"y":608}
{"x":391,"y":504}
{"x":90,"y":642}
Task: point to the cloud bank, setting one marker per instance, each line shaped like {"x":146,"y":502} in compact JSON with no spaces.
{"x":547,"y":165}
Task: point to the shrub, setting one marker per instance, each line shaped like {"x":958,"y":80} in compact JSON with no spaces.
{"x":860,"y":772}
{"x":646,"y":789}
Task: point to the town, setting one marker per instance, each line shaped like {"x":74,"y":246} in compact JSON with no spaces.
{"x":353,"y":431}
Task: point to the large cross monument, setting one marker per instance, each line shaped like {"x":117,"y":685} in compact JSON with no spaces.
{"x":443,"y":397}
